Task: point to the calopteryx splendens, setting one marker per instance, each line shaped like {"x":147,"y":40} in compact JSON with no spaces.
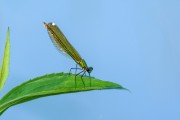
{"x":64,"y":46}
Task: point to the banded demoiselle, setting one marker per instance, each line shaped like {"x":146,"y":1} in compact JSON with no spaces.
{"x":65,"y":47}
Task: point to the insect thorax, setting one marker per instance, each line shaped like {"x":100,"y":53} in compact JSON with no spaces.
{"x":83,"y":64}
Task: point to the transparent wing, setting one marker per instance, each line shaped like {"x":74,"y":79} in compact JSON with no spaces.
{"x":59,"y":48}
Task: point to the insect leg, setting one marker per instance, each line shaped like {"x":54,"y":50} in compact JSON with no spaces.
{"x":77,"y":75}
{"x":90,"y":79}
{"x":82,"y":78}
{"x":75,"y":69}
{"x":85,"y":74}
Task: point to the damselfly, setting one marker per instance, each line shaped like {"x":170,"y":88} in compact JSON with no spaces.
{"x":64,"y":46}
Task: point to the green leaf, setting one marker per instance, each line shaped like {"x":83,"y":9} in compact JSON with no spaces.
{"x":52,"y":84}
{"x":4,"y":70}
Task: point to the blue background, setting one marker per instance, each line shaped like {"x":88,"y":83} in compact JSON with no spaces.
{"x":131,"y":42}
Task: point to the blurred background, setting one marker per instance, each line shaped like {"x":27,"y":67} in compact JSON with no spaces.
{"x":133,"y":43}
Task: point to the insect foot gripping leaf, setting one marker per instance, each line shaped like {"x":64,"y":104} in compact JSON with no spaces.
{"x":4,"y":69}
{"x":52,"y":84}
